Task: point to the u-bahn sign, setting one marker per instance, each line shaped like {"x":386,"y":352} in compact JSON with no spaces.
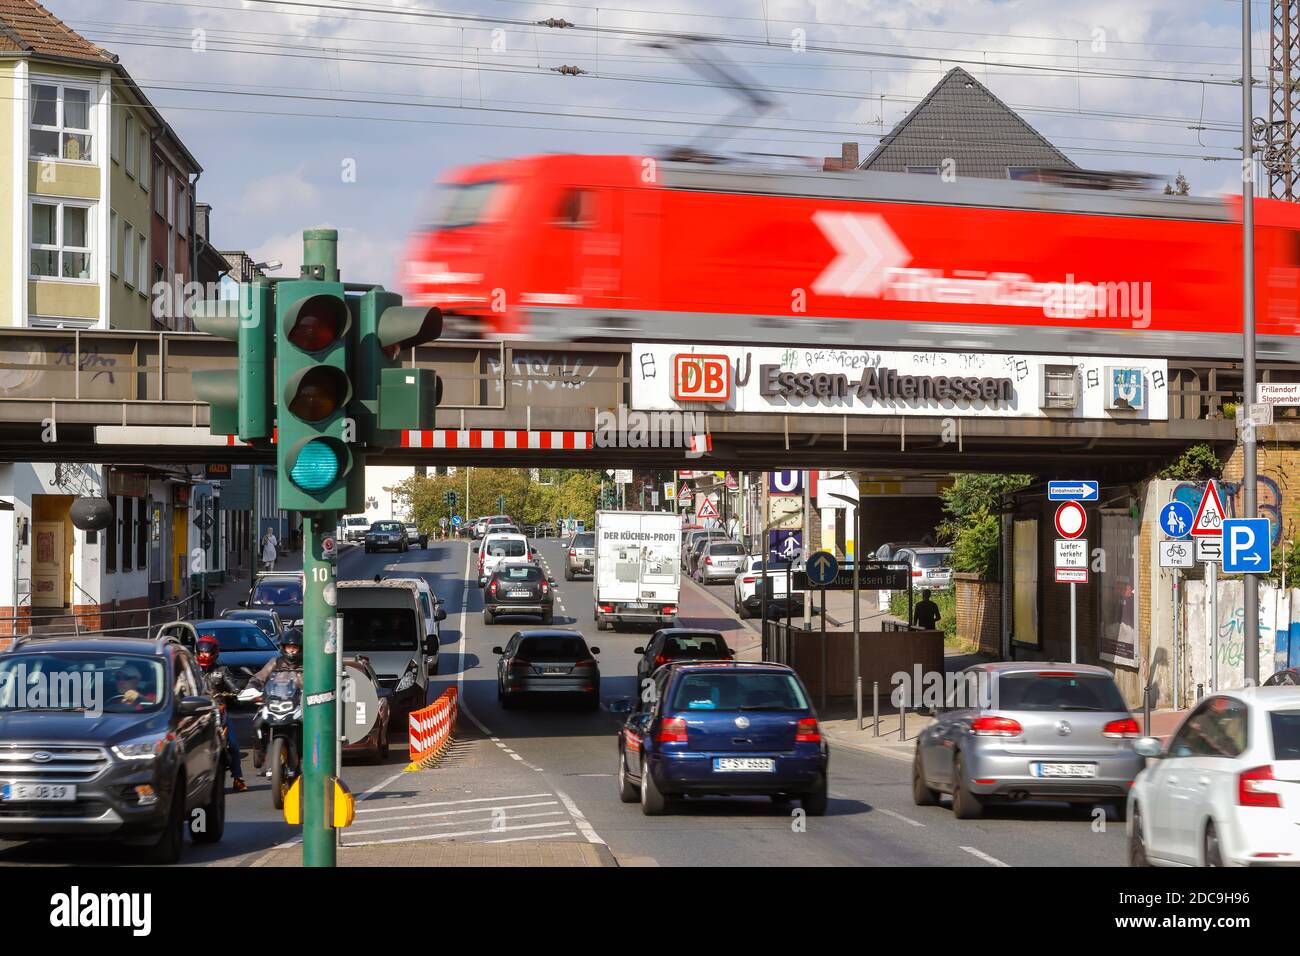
{"x":902,"y":382}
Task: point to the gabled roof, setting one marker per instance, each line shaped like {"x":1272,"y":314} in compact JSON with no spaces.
{"x":27,"y":27}
{"x":961,"y":120}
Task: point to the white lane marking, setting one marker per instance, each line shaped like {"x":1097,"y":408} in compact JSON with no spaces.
{"x":379,"y":786}
{"x":540,"y":836}
{"x":898,"y":816}
{"x":516,"y":756}
{"x":980,"y":854}
{"x":452,"y":803}
{"x":500,"y":820}
{"x":579,"y":819}
{"x":452,"y":836}
{"x":451,"y":813}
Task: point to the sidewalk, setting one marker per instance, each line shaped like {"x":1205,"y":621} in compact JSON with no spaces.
{"x":444,"y":853}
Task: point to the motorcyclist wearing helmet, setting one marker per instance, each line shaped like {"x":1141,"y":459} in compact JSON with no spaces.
{"x":220,"y":683}
{"x":290,"y":659}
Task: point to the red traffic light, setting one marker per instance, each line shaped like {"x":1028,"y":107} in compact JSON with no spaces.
{"x":317,"y":322}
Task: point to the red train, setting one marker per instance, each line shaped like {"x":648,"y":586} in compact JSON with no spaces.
{"x":628,"y":247}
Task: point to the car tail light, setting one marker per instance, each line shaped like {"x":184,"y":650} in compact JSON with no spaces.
{"x":493,"y":586}
{"x":1128,"y":727}
{"x":1255,"y":788}
{"x":584,"y":664}
{"x":916,"y":573}
{"x":573,"y":553}
{"x":520,"y":662}
{"x":606,"y":609}
{"x":749,"y":580}
{"x":1055,"y":674}
{"x":672,"y":730}
{"x":708,"y":560}
{"x":670,"y":609}
{"x":660,"y":660}
{"x":546,"y":588}
{"x":995,"y":727}
{"x":808,"y":732}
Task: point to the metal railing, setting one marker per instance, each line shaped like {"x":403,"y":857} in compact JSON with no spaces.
{"x":184,"y":609}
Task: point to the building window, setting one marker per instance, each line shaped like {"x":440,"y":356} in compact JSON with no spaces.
{"x":144,"y":159}
{"x":171,"y":200}
{"x":60,"y":244}
{"x":141,"y":533}
{"x":128,"y":534}
{"x":182,"y":208}
{"x":128,"y":244}
{"x":129,"y":135}
{"x":924,"y":170}
{"x":60,"y":122}
{"x":115,"y":135}
{"x":160,"y":197}
{"x":59,"y":322}
{"x":115,"y":257}
{"x":110,"y":537}
{"x":143,"y":242}
{"x":1024,"y":173}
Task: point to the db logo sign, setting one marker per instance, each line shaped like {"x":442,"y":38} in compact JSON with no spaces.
{"x":701,"y":378}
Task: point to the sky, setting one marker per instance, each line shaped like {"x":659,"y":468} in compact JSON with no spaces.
{"x":345,"y":113}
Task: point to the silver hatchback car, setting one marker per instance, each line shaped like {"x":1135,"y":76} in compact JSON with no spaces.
{"x":1028,"y":730}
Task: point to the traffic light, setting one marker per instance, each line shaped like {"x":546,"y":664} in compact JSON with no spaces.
{"x":389,"y":397}
{"x":240,"y":400}
{"x":318,"y":470}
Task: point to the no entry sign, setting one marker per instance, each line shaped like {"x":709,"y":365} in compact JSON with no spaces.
{"x":1071,"y":520}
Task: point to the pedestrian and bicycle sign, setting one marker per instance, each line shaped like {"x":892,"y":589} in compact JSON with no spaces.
{"x":823,"y":569}
{"x":1071,"y":520}
{"x":1176,"y":520}
{"x":1177,"y":553}
{"x":1072,"y":491}
{"x":1209,"y":516}
{"x":1247,"y":546}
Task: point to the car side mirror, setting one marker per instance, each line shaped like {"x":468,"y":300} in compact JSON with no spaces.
{"x":638,"y":650}
{"x":439,"y":614}
{"x":243,"y":604}
{"x":595,"y":650}
{"x":1148,"y":747}
{"x":497,"y":650}
{"x":550,"y":580}
{"x":193,"y":706}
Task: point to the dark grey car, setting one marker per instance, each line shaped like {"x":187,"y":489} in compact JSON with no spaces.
{"x":1028,"y":730}
{"x":580,"y":556}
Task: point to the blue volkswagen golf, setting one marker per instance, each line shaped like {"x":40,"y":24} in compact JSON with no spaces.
{"x":723,"y":728}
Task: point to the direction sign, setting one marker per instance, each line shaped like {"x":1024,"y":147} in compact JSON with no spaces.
{"x":1209,"y":516}
{"x":1176,"y":519}
{"x":1071,"y":520}
{"x":1247,"y":546}
{"x":456,"y":520}
{"x":623,"y":476}
{"x":873,"y":576}
{"x":822,"y":569}
{"x":1072,"y":491}
{"x":1209,"y":550}
{"x":1176,"y":553}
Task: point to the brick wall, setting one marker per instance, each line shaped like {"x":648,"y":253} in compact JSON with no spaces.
{"x":1278,"y":464}
{"x":979,"y":612}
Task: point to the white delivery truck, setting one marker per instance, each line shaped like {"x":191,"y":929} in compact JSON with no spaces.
{"x":637,"y":577}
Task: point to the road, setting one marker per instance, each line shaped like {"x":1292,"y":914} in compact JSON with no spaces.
{"x":546,"y":773}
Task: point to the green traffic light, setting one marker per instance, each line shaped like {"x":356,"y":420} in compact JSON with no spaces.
{"x":316,"y":466}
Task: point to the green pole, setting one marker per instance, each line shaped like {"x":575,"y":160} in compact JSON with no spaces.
{"x":320,"y":640}
{"x":320,"y":659}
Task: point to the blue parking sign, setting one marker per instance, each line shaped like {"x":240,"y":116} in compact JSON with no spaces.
{"x":1247,"y":546}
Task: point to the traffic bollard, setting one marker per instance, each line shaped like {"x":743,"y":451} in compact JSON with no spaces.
{"x":875,"y":708}
{"x":857,"y":697}
{"x":902,"y":719}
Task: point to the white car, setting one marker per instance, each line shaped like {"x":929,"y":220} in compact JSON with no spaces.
{"x":931,"y":567}
{"x":511,"y":548}
{"x":434,"y":615}
{"x":1226,"y":791}
{"x":746,"y":596}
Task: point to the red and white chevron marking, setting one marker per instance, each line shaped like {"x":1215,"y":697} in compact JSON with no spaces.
{"x":430,"y":727}
{"x":496,"y":438}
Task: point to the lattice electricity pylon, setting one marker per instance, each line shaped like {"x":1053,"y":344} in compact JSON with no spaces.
{"x":1280,"y":138}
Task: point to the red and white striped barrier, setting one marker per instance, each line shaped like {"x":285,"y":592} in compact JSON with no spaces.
{"x":431,"y":728}
{"x":496,"y":438}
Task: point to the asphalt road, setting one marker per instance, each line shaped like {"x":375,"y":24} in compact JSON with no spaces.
{"x":546,"y":772}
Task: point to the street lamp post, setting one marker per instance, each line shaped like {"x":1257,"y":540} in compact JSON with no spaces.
{"x":1250,"y":591}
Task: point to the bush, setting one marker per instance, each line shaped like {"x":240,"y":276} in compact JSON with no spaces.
{"x":1197,"y":463}
{"x":947,"y":601}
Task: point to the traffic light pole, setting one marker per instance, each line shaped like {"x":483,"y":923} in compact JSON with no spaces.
{"x":319,"y":679}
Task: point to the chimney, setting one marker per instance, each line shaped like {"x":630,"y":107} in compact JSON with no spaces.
{"x":848,"y":158}
{"x":202,"y":216}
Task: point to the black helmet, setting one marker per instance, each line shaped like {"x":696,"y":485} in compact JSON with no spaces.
{"x":292,"y":639}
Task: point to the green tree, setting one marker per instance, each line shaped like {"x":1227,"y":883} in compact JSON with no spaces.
{"x":973,"y":503}
{"x":1197,"y":463}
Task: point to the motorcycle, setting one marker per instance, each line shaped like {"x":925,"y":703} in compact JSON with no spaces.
{"x":278,"y":730}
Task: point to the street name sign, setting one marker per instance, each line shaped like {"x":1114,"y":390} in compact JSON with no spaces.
{"x":873,"y":576}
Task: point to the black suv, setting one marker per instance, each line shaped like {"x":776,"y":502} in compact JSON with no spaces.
{"x":387,"y":534}
{"x":109,"y":737}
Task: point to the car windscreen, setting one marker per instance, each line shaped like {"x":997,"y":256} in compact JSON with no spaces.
{"x":278,"y":592}
{"x":584,"y":540}
{"x":386,"y":526}
{"x":931,"y":559}
{"x":726,"y":549}
{"x":519,"y":572}
{"x":1035,"y":691}
{"x":464,"y":204}
{"x":738,"y":690}
{"x":379,"y":629}
{"x":81,"y":680}
{"x":237,"y":636}
{"x":694,"y":645}
{"x":552,"y":647}
{"x":1285,"y":725}
{"x":507,"y":549}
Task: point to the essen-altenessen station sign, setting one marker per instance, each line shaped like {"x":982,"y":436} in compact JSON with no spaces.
{"x":815,"y":380}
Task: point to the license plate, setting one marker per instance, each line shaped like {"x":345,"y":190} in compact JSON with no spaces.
{"x":38,"y":792}
{"x":744,"y":765}
{"x":555,"y":670}
{"x":1039,"y":769}
{"x":519,"y":594}
{"x":636,"y":607}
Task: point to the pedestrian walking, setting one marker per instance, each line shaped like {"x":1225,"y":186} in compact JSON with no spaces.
{"x":269,"y":543}
{"x":926,"y":613}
